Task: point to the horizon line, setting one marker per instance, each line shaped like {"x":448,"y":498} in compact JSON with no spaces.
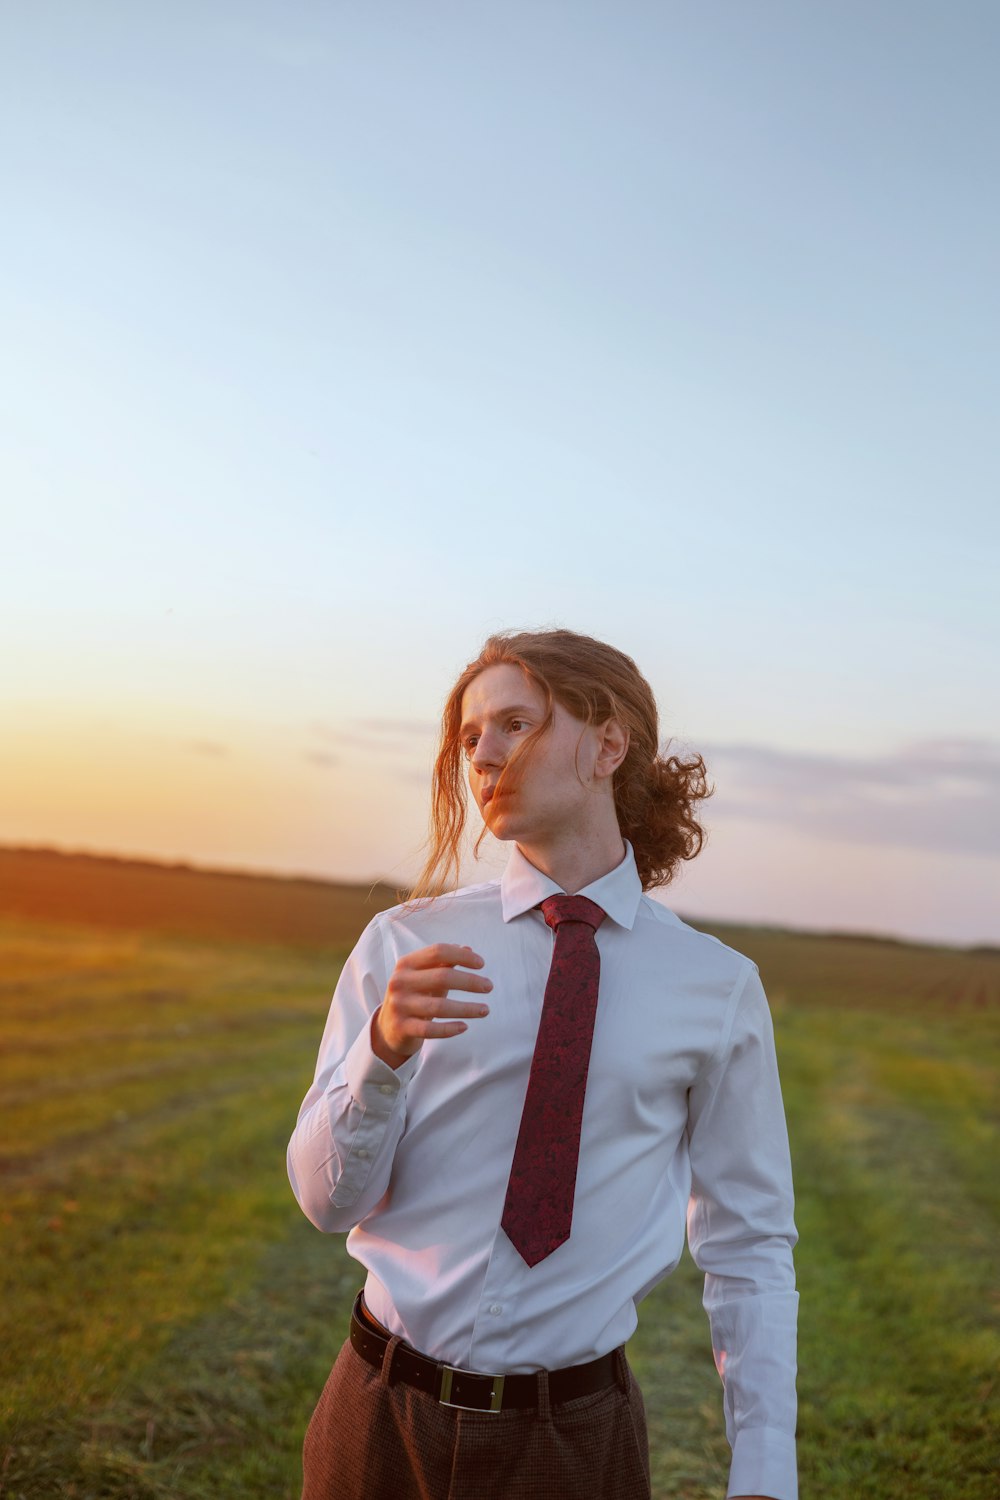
{"x":186,"y":865}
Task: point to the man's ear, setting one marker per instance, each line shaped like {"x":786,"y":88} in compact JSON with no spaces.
{"x":612,"y":747}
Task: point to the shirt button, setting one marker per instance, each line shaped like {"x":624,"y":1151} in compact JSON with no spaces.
{"x":496,"y":1309}
{"x":386,"y":1088}
{"x":362,"y":1152}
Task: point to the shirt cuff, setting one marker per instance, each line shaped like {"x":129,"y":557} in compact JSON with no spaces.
{"x":764,"y":1464}
{"x":371,"y":1081}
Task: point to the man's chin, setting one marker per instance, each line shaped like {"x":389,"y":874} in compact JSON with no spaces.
{"x":500,"y":822}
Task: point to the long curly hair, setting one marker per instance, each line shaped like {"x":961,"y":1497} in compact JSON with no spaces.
{"x":656,"y":796}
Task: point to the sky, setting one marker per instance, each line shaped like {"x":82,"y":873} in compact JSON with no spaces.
{"x":334,"y":337}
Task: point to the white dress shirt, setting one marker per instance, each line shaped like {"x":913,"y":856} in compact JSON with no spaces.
{"x":682,"y":1120}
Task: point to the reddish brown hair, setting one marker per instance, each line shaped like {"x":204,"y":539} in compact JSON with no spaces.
{"x":655,"y":796}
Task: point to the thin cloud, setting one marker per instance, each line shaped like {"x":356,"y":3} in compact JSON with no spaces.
{"x":321,"y":758}
{"x":381,"y":736}
{"x":214,"y":748}
{"x":421,"y":779}
{"x":398,"y":726}
{"x":939,"y":795}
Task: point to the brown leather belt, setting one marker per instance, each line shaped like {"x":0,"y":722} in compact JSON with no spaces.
{"x":466,"y":1388}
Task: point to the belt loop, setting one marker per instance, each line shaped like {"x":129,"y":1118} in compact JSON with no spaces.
{"x":622,"y":1372}
{"x":385,"y":1375}
{"x":544,"y":1404}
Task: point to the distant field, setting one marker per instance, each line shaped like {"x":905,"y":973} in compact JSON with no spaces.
{"x":167,"y":1317}
{"x":143,"y":895}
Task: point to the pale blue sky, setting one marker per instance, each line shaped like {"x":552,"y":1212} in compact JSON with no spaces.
{"x":335,"y":336}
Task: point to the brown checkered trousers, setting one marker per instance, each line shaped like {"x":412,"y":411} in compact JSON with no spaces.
{"x":375,"y":1438}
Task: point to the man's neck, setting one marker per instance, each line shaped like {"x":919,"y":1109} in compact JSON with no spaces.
{"x":578,"y":865}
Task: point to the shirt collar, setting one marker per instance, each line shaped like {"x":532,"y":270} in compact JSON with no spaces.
{"x":618,"y":893}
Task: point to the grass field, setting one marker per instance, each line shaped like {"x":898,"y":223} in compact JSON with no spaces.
{"x":167,"y":1317}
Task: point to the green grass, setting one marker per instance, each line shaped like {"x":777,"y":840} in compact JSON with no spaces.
{"x":167,"y":1317}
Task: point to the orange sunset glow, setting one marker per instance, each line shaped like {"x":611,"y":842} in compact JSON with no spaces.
{"x":302,"y":412}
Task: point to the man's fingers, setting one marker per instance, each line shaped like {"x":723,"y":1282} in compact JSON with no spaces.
{"x":438,"y":1005}
{"x":417,"y":1004}
{"x":440,"y":981}
{"x":421,"y":1020}
{"x":442,"y":955}
{"x":430,"y":1029}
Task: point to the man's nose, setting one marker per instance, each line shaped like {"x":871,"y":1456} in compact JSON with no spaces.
{"x":488,"y":751}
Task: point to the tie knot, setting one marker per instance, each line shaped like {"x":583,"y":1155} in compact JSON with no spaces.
{"x":558,"y":909}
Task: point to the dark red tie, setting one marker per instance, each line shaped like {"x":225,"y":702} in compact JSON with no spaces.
{"x":538,"y":1210}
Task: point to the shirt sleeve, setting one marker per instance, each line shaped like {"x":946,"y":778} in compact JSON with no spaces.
{"x":741,"y":1234}
{"x":341,"y":1151}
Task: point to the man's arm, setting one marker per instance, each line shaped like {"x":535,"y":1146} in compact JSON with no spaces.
{"x":341,"y":1151}
{"x":741,"y":1233}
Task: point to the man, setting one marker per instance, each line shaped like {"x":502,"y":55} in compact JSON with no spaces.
{"x":515,"y":1175}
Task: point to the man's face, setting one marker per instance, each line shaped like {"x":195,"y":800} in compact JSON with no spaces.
{"x":550,"y":792}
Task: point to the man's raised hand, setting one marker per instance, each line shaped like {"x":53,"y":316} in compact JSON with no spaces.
{"x":416,"y":1000}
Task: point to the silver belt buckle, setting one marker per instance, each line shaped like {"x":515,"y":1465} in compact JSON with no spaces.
{"x":448,"y":1373}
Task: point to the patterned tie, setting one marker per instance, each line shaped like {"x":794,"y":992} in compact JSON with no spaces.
{"x":538,"y":1210}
